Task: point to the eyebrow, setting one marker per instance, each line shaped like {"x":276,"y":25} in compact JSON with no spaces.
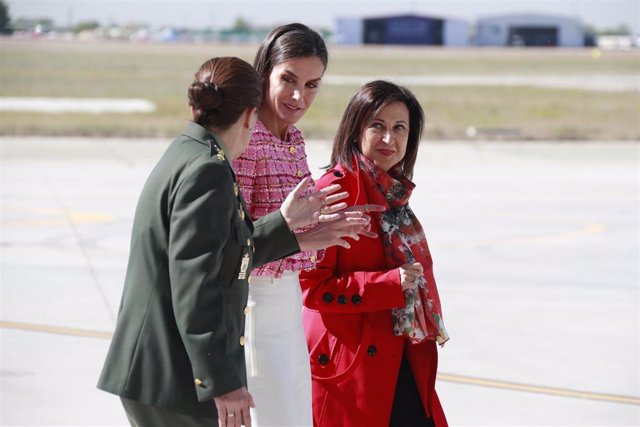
{"x":383,"y":121}
{"x":291,"y":73}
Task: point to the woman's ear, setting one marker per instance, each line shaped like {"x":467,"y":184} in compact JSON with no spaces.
{"x":248,"y":120}
{"x":193,"y":112}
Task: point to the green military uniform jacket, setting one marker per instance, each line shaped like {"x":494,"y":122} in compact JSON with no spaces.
{"x":178,"y":341}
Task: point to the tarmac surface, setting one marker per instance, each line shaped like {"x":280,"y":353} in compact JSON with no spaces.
{"x":536,"y":252}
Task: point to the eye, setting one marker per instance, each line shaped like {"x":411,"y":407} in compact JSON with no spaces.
{"x":287,"y":79}
{"x":376,"y":125}
{"x":400,"y":128}
{"x":313,"y":85}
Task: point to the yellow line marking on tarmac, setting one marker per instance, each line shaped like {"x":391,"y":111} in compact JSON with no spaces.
{"x":461,"y":379}
{"x":59,"y":330}
{"x":45,"y":217}
{"x":584,"y":230}
{"x":553,"y":391}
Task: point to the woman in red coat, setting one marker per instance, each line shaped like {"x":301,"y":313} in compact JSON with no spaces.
{"x":372,"y":312}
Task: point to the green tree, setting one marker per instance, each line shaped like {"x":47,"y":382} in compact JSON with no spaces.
{"x":85,"y":25}
{"x":620,"y":30}
{"x":241,"y":25}
{"x":5,"y":19}
{"x":24,"y":24}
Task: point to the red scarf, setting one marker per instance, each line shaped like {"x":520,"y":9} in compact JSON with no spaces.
{"x":404,"y":242}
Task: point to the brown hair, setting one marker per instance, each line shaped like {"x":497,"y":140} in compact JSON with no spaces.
{"x":362,"y":108}
{"x":222,"y":89}
{"x":287,"y":42}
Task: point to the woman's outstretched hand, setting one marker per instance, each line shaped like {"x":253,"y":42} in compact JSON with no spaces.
{"x":321,"y":206}
{"x":351,"y":223}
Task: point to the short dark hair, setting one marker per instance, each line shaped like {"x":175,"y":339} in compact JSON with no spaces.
{"x":222,"y":89}
{"x":288,"y":42}
{"x":362,"y":108}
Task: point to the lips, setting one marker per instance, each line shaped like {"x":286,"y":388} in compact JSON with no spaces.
{"x":292,"y":108}
{"x":385,"y":152}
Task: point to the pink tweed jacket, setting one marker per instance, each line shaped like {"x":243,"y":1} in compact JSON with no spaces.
{"x":267,"y":172}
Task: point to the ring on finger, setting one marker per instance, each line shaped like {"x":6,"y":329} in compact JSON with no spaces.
{"x":323,"y":210}
{"x":230,"y":415}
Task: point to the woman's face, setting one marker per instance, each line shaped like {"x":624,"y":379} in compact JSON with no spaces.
{"x":291,"y":89}
{"x":384,"y":138}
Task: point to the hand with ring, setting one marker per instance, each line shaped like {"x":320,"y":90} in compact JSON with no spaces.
{"x":323,"y":210}
{"x":233,"y":408}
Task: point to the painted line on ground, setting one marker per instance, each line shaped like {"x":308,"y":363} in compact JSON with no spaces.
{"x":76,"y":105}
{"x":582,"y":229}
{"x":444,"y":377}
{"x":47,"y":217}
{"x":552,"y":391}
{"x":597,"y":83}
{"x":58,"y":330}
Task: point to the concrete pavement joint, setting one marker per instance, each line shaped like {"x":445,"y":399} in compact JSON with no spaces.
{"x":83,"y":249}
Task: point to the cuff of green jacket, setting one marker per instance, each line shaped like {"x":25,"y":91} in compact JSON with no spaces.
{"x":213,"y":384}
{"x":273,"y":239}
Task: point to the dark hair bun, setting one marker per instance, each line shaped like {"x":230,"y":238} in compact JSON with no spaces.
{"x":222,"y":89}
{"x":205,"y":96}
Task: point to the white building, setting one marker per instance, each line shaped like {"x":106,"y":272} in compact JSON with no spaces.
{"x":530,"y":30}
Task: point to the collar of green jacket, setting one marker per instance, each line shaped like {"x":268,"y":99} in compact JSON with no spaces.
{"x":207,"y":137}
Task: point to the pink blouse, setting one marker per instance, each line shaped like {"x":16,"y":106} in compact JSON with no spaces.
{"x":267,"y":172}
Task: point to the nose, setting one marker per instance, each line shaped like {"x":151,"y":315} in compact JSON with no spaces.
{"x":386,"y":138}
{"x":296,"y":95}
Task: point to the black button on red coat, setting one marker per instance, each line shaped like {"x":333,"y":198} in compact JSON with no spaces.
{"x":338,"y":174}
{"x":356,"y":299}
{"x":372,"y":350}
{"x":323,"y":359}
{"x":327,"y":297}
{"x":342,"y":299}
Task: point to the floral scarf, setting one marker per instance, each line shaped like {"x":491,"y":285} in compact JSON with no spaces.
{"x":404,"y":242}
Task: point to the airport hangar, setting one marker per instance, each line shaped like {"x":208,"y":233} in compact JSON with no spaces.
{"x":402,"y":30}
{"x":530,"y":30}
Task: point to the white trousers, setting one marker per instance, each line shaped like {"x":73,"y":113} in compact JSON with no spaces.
{"x":278,"y":369}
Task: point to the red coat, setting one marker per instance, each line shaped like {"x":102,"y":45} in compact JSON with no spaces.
{"x":355,"y":357}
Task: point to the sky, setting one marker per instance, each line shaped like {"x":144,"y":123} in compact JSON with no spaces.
{"x":220,"y":14}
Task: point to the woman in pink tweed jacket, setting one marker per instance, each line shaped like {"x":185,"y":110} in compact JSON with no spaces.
{"x":292,"y":60}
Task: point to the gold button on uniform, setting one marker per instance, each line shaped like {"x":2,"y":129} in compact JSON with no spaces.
{"x":241,"y":340}
{"x":292,"y":150}
{"x":312,"y":258}
{"x":246,"y":310}
{"x":197,"y":381}
{"x":300,"y":173}
{"x":235,"y":189}
{"x":248,"y":242}
{"x":241,"y":213}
